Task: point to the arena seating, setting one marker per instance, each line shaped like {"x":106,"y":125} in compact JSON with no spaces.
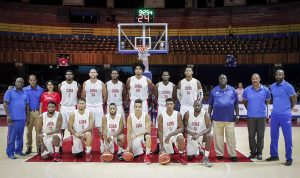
{"x":177,"y":46}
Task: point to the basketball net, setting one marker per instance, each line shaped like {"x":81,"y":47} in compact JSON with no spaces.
{"x":143,"y":52}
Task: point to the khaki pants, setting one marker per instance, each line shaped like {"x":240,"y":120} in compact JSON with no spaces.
{"x":218,"y":128}
{"x":33,"y":120}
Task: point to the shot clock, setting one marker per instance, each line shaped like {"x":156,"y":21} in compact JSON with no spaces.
{"x":143,"y":15}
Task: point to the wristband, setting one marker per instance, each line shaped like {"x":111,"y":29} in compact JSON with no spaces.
{"x":44,"y":134}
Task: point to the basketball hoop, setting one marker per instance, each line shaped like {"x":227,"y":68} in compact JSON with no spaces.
{"x":143,"y":52}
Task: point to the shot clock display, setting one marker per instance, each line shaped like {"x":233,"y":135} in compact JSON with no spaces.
{"x":143,"y":15}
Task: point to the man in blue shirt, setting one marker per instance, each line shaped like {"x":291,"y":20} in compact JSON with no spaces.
{"x":34,"y":93}
{"x":284,"y":99}
{"x":16,"y":109}
{"x":255,"y":98}
{"x":223,"y":101}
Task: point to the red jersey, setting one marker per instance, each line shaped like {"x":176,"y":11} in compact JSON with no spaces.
{"x":46,"y":97}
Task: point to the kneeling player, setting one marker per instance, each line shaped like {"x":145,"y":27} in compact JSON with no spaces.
{"x":113,"y":131}
{"x":198,"y":126}
{"x":81,"y":123}
{"x":138,"y":131}
{"x":170,"y":128}
{"x":49,"y":132}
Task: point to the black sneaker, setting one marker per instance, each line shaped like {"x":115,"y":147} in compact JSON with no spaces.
{"x":220,"y":157}
{"x":28,"y":151}
{"x":234,"y":159}
{"x":259,"y":157}
{"x":272,"y":158}
{"x":288,"y":162}
{"x":120,"y":156}
{"x":252,"y":156}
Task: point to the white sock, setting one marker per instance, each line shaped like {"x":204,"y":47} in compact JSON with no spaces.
{"x":56,"y":149}
{"x":180,"y":152}
{"x":88,"y":149}
{"x":206,"y":153}
{"x":148,"y":150}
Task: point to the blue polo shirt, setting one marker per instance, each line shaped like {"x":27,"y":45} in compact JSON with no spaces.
{"x":281,"y":97}
{"x":17,"y":101}
{"x":256,"y":99}
{"x":34,"y":95}
{"x":223,"y":103}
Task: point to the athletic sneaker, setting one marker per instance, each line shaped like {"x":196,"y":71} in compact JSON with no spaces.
{"x":206,"y":162}
{"x":88,"y":157}
{"x":120,"y":156}
{"x":56,"y":157}
{"x":20,"y":154}
{"x":147,"y":159}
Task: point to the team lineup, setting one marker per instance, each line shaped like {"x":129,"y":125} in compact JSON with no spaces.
{"x":181,"y":135}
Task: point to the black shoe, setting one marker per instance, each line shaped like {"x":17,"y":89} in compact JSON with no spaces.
{"x":120,"y":156}
{"x":39,"y":151}
{"x":60,"y":149}
{"x":259,"y":156}
{"x":220,"y":157}
{"x":156,"y":151}
{"x":288,"y":162}
{"x":234,"y":159}
{"x":28,"y":151}
{"x":252,"y":156}
{"x":272,"y":158}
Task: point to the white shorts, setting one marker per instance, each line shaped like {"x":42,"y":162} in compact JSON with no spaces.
{"x":160,"y":110}
{"x":184,"y":109}
{"x":108,"y":147}
{"x":144,"y":105}
{"x":137,"y":145}
{"x":120,"y":110}
{"x":98,"y":114}
{"x":192,"y":147}
{"x":66,"y":111}
{"x":169,"y":147}
{"x":48,"y":142}
{"x":77,"y":145}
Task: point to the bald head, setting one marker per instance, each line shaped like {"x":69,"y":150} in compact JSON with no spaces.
{"x":197,"y":106}
{"x":19,"y":83}
{"x":279,"y":75}
{"x":222,"y":80}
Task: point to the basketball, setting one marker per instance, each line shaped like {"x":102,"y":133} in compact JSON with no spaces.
{"x":128,"y":156}
{"x":164,"y":158}
{"x":107,"y":156}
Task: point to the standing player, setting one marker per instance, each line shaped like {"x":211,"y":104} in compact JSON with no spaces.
{"x":170,"y":128}
{"x":139,"y":87}
{"x":189,"y":90}
{"x":70,"y":91}
{"x":116,"y":93}
{"x":138,"y":131}
{"x":163,"y":90}
{"x":113,"y":131}
{"x":198,"y":127}
{"x":81,"y":124}
{"x":49,"y":132}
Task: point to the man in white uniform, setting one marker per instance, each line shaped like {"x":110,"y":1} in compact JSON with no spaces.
{"x":116,"y":93}
{"x":81,"y":124}
{"x":139,"y":87}
{"x":70,"y":90}
{"x":49,"y":132}
{"x":113,"y":132}
{"x":163,"y":90}
{"x":198,"y":128}
{"x":138,"y":132}
{"x":170,"y":129}
{"x":189,"y":90}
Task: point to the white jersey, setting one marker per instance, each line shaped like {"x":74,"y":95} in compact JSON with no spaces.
{"x":188,"y":92}
{"x":114,"y":92}
{"x":69,"y":93}
{"x":138,"y":125}
{"x":93,"y":93}
{"x":170,"y":123}
{"x":112,"y":124}
{"x":138,"y":88}
{"x":196,"y":124}
{"x":49,"y":124}
{"x":164,"y":92}
{"x":81,"y":121}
